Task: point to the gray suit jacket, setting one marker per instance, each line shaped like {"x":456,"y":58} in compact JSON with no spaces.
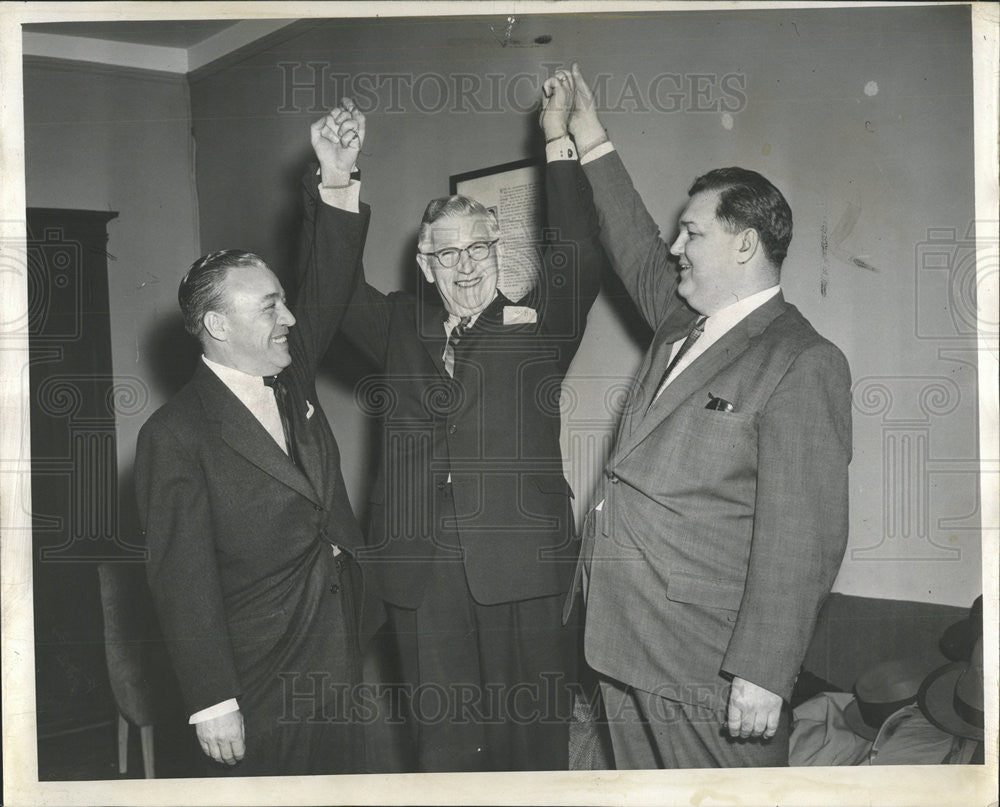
{"x":721,"y":532}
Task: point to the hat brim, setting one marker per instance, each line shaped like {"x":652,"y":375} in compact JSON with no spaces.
{"x":852,"y":716}
{"x":936,"y":699}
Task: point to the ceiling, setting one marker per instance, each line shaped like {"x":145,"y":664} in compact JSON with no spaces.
{"x":174,"y":46}
{"x":160,"y":33}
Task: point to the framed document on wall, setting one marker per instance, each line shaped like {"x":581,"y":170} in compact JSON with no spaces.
{"x":514,"y":192}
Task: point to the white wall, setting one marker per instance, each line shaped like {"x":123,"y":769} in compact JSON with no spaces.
{"x":863,"y":117}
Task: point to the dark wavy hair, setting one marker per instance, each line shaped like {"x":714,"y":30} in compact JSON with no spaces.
{"x":202,"y":288}
{"x":747,"y":199}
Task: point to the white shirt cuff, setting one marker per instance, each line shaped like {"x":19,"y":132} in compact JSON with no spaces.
{"x":218,"y":710}
{"x":597,"y":151}
{"x":346,"y":198}
{"x":562,"y":148}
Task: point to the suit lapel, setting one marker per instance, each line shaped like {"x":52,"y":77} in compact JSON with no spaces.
{"x":703,"y":369}
{"x":244,"y":434}
{"x":432,"y":336}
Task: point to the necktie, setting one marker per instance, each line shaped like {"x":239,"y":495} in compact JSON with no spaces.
{"x":696,"y":331}
{"x":453,"y":339}
{"x":281,"y":398}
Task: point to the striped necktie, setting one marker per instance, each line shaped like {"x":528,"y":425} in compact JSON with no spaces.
{"x":453,"y":339}
{"x":693,"y":336}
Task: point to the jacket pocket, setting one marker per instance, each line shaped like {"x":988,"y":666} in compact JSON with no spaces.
{"x":551,"y":483}
{"x":710,"y":592}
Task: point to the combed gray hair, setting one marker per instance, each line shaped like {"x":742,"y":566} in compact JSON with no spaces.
{"x":451,"y":207}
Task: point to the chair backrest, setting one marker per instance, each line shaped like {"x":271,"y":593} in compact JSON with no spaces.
{"x":138,"y":667}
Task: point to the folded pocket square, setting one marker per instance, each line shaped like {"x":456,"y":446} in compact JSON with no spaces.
{"x":719,"y":404}
{"x":519,"y":315}
{"x":309,"y":409}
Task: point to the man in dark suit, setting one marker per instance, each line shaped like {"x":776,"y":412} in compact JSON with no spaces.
{"x":723,"y":517}
{"x":248,"y":526}
{"x":471,"y":529}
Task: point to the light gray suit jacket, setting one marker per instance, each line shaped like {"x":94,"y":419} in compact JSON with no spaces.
{"x":721,"y":532}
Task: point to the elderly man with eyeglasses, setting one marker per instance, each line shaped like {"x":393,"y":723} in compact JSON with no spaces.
{"x":471,"y":535}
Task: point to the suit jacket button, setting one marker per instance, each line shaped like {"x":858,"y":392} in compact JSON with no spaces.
{"x":334,"y":588}
{"x":452,"y":429}
{"x":317,"y":508}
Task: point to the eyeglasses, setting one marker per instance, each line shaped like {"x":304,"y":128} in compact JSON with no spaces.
{"x":450,"y":256}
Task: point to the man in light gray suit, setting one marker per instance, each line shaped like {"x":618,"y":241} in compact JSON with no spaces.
{"x":723,"y":516}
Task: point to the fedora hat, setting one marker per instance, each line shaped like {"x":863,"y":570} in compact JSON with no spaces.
{"x":958,"y":640}
{"x":951,"y":697}
{"x":883,"y":689}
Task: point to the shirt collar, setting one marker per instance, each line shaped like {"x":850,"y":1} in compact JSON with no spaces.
{"x":453,"y":319}
{"x":243,"y":385}
{"x":725,"y":318}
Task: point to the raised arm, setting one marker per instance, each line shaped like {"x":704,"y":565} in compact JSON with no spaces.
{"x":574,"y":259}
{"x":629,"y":235}
{"x":362,"y":315}
{"x":332,"y":238}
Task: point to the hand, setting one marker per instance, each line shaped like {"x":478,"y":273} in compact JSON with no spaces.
{"x":753,"y":711}
{"x":557,"y":104}
{"x":337,"y":139}
{"x":584,"y":124}
{"x":221,"y":738}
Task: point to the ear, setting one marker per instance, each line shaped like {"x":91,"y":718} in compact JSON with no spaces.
{"x":748,"y":244}
{"x":216,"y":325}
{"x":425,"y":266}
{"x":498,"y":250}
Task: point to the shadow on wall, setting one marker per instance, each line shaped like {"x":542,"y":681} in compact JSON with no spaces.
{"x":170,"y":355}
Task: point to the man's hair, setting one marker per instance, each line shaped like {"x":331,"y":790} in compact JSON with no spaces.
{"x":746,"y":199}
{"x":202,"y":288}
{"x":452,"y":207}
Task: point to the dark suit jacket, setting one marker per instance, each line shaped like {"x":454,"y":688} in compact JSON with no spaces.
{"x":721,"y":532}
{"x":239,"y":539}
{"x":494,"y":427}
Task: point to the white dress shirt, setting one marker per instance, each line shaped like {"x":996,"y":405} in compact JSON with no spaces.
{"x":716,"y":326}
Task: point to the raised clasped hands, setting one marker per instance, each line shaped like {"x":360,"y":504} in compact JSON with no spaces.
{"x":568,"y":105}
{"x":337,"y":139}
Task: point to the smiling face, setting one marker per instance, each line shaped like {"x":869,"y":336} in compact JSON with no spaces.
{"x":251,"y":332}
{"x":469,"y":286}
{"x":708,"y":255}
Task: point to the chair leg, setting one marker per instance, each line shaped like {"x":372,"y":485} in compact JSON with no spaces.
{"x":122,"y":744}
{"x":146,"y":733}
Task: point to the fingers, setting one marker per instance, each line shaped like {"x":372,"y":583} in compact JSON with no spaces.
{"x":753,"y":711}
{"x":344,"y":125}
{"x":581,"y":88}
{"x":223,"y":738}
{"x":734,"y":719}
{"x":771,"y":724}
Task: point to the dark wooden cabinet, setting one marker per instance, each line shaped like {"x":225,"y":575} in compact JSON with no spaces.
{"x":74,"y":484}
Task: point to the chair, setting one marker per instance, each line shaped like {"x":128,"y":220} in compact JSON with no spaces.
{"x":138,"y":666}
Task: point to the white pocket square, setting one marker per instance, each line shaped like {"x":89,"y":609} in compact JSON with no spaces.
{"x":519,"y":315}
{"x":309,"y":409}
